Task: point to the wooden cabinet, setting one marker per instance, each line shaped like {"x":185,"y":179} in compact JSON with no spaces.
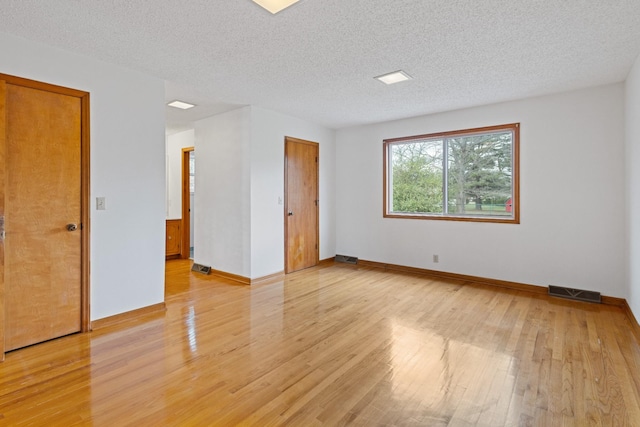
{"x":174,"y":238}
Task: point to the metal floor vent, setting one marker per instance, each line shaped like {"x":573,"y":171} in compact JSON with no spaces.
{"x":577,"y":294}
{"x":199,"y":268}
{"x":347,"y":259}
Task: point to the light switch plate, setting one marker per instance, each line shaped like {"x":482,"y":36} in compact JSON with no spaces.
{"x":101,"y":204}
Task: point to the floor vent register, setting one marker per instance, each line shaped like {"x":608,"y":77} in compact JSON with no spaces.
{"x":576,"y":294}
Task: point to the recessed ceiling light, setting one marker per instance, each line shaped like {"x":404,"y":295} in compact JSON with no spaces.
{"x":395,"y":77}
{"x":181,"y":105}
{"x":275,"y":6}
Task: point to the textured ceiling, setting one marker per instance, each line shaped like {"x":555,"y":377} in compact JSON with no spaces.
{"x":317,"y":59}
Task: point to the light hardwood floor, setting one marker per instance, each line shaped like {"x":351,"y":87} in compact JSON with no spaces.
{"x":332,"y":346}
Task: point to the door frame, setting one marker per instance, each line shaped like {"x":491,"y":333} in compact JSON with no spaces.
{"x":85,"y":318}
{"x":185,"y":245}
{"x":287,"y":140}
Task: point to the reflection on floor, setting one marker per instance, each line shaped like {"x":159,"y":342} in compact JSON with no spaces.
{"x":332,"y":346}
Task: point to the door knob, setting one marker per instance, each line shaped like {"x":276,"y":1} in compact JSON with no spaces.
{"x":290,"y":213}
{"x":72,"y":227}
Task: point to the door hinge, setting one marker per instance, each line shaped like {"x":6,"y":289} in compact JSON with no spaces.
{"x":316,"y":160}
{"x":316,"y":201}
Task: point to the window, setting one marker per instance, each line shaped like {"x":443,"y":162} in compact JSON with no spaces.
{"x":466,"y":175}
{"x":192,"y":172}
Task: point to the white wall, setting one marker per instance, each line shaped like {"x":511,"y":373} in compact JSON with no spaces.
{"x":632,"y":125}
{"x":239,"y":179}
{"x":268,"y":131}
{"x":223,"y":192}
{"x":174,"y":145}
{"x":572,"y":228}
{"x":127,"y":167}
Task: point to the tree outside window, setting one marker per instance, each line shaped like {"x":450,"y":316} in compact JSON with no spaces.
{"x":469,"y":175}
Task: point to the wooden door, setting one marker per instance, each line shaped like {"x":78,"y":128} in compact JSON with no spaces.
{"x":45,"y":196}
{"x":173,"y":238}
{"x":186,"y":202}
{"x":301,"y":205}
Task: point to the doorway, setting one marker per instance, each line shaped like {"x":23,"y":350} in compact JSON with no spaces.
{"x":301,"y":215}
{"x":44,"y":219}
{"x":188,"y":201}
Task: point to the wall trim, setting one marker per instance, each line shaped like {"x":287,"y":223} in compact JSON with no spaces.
{"x":454,"y":276}
{"x":279,"y":275}
{"x":136,"y":314}
{"x":246,"y":280}
{"x":635,"y":326}
{"x":619,"y":302}
{"x":274,"y":276}
{"x":326,"y":262}
{"x":231,"y":276}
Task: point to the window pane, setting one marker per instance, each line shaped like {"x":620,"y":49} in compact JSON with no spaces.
{"x":416,"y":177}
{"x":192,"y":172}
{"x":464,"y":175}
{"x":479,"y":179}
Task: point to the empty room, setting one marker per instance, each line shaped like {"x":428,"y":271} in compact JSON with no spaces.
{"x":264,"y":212}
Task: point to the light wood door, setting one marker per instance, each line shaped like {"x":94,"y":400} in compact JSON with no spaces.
{"x":173,"y":238}
{"x":185,"y":250}
{"x":43,"y":209}
{"x":301,"y":205}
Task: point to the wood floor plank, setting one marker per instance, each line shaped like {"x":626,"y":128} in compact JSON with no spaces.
{"x":335,"y":345}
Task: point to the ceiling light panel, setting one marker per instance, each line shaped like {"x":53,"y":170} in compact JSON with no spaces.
{"x":181,"y":105}
{"x":275,"y":6}
{"x":395,"y":77}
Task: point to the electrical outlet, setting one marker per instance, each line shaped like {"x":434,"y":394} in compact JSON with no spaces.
{"x":436,"y":258}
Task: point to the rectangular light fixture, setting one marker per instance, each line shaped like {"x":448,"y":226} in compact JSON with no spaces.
{"x":395,"y":77}
{"x":275,"y":6}
{"x":181,"y":105}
